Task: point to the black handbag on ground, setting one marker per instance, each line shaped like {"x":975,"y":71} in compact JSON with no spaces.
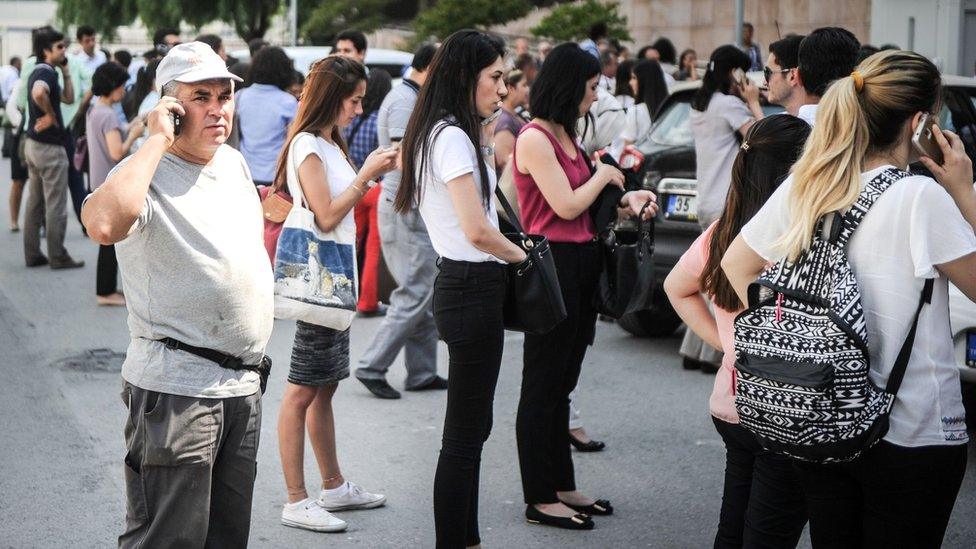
{"x":223,"y":360}
{"x":627,"y":281}
{"x":533,"y":299}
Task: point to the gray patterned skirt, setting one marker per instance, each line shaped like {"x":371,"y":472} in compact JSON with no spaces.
{"x":320,"y":355}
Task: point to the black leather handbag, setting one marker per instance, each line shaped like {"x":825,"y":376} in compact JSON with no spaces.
{"x":627,"y":281}
{"x":533,"y":300}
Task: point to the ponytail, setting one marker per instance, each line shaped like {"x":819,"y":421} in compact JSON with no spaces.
{"x":859,"y":115}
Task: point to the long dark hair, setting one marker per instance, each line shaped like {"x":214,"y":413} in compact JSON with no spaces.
{"x":378,"y":85}
{"x":624,"y":70}
{"x":145,"y":80}
{"x":717,"y":78}
{"x":651,"y":87}
{"x":771,"y":147}
{"x":559,"y":89}
{"x":329,"y":83}
{"x":449,"y":93}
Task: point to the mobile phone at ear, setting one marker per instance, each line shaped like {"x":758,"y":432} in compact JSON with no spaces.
{"x":923,"y":140}
{"x":492,"y":118}
{"x":739,"y":76}
{"x":177,"y":123}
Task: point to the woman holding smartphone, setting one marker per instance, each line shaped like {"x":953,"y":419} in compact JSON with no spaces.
{"x":449,"y":172}
{"x":317,"y":156}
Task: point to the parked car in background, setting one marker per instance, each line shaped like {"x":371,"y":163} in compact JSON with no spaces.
{"x":391,"y":61}
{"x":669,"y":171}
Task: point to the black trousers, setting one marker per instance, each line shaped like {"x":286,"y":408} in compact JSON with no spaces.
{"x":762,"y":501}
{"x":467,"y":307}
{"x":890,"y":496}
{"x":551,"y":368}
{"x":106,"y":273}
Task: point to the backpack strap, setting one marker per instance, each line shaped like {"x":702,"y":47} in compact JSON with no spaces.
{"x":901,"y":363}
{"x":872,"y":191}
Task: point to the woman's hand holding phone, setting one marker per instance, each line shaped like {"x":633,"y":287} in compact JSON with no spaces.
{"x":956,"y":171}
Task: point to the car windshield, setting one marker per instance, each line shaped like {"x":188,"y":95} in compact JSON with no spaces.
{"x":673,"y":128}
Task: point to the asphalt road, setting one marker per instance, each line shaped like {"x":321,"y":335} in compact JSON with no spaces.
{"x":62,"y":445}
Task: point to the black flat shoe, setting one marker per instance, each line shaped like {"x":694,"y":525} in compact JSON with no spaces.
{"x":600,"y":507}
{"x":591,"y":446}
{"x":690,"y":364}
{"x":581,"y":521}
{"x":436,"y":384}
{"x":380,"y":388}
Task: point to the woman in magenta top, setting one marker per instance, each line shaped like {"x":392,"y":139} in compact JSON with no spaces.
{"x":555,"y":191}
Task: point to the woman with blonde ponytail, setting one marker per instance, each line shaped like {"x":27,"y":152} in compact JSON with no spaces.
{"x":900,"y":492}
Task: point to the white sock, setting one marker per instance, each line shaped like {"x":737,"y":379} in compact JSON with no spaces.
{"x":338,"y":492}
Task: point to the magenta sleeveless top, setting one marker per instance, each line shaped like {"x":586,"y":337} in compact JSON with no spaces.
{"x":536,"y":214}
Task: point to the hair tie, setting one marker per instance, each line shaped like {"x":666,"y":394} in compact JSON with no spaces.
{"x":711,"y":65}
{"x":744,"y":146}
{"x":858,"y":81}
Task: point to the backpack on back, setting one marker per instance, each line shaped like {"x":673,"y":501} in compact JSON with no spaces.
{"x":802,"y":351}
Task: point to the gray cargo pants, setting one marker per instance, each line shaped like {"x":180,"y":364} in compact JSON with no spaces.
{"x":47,"y":200}
{"x":409,"y":322}
{"x":190,"y":468}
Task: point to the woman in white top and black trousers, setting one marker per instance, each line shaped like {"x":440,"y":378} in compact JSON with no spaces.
{"x":448,"y":170}
{"x":900,"y":492}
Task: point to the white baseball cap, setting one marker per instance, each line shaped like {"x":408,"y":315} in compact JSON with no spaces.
{"x":191,"y":62}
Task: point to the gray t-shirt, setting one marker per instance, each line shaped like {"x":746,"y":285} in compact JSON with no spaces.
{"x":194,"y":268}
{"x":391,"y":124}
{"x":102,"y":119}
{"x":716,"y":145}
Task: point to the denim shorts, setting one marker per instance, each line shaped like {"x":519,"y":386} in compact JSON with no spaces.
{"x":320,"y":355}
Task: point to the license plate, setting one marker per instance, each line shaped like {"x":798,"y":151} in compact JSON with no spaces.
{"x":971,"y":348}
{"x":681,"y":207}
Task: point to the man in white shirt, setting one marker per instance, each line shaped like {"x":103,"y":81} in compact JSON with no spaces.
{"x":89,"y":55}
{"x":9,"y":74}
{"x":825,"y":55}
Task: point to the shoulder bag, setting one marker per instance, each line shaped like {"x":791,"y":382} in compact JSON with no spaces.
{"x":533,"y":300}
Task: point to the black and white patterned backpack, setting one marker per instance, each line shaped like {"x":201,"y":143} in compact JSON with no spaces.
{"x":802,"y":351}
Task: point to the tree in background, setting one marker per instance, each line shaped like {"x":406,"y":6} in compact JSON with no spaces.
{"x":448,"y":16}
{"x":324,"y":20}
{"x":573,"y":21}
{"x":251,"y":18}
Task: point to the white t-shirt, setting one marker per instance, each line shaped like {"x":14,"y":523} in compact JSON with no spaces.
{"x":338,"y":171}
{"x":912,"y":227}
{"x":638,"y":123}
{"x":716,"y":145}
{"x":452,"y":155}
{"x":807,"y":113}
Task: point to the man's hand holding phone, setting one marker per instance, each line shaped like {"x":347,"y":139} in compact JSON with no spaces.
{"x":164,"y":119}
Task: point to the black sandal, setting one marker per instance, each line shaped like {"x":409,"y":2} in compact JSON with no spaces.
{"x":600,"y":507}
{"x":580,"y":521}
{"x":591,"y":446}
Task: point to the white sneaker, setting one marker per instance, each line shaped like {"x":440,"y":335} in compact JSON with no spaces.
{"x":308,"y":514}
{"x":354,"y":498}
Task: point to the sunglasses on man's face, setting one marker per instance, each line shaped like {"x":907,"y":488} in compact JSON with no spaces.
{"x":768,"y":72}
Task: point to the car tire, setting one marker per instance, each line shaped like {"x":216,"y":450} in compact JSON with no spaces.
{"x":661,"y":321}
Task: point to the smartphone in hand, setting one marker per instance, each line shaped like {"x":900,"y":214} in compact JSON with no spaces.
{"x":923,"y":140}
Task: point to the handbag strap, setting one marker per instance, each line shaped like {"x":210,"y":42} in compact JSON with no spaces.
{"x":295,"y":187}
{"x":512,"y":218}
{"x":901,"y":363}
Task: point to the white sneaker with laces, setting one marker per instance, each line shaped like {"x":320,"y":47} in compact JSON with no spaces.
{"x":354,"y":497}
{"x":310,"y":515}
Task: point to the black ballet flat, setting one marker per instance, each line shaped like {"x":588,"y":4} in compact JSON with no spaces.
{"x":600,"y":507}
{"x":591,"y":446}
{"x":581,"y":521}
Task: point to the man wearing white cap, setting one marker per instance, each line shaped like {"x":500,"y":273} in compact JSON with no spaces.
{"x":188,"y":229}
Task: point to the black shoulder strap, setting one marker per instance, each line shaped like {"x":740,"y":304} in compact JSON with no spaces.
{"x":901,"y":363}
{"x":872,"y":191}
{"x":512,"y":217}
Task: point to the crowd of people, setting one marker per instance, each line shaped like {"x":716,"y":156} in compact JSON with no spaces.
{"x":410,"y":171}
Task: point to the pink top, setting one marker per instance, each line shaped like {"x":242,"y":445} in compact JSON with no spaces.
{"x":537,"y":216}
{"x":722,"y":402}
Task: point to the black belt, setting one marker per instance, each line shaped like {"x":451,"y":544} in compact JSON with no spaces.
{"x":223,"y":360}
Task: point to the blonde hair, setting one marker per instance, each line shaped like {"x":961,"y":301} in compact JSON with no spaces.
{"x":860,"y":114}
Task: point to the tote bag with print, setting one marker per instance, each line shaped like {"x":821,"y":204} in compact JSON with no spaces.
{"x":314,"y":271}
